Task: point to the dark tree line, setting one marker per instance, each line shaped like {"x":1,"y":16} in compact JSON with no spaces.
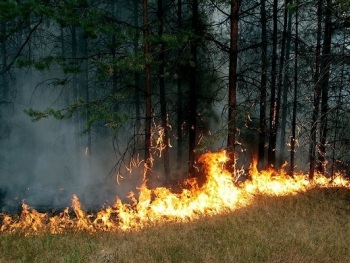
{"x":153,"y":74}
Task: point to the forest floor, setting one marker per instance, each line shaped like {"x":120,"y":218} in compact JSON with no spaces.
{"x":309,"y":227}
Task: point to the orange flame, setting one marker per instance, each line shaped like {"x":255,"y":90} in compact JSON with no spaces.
{"x":219,"y":194}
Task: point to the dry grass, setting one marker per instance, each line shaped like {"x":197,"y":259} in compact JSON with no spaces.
{"x":310,"y":227}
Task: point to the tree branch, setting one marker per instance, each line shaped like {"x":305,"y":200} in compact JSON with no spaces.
{"x":8,"y":66}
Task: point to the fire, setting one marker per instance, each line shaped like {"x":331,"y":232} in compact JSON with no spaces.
{"x":218,"y":194}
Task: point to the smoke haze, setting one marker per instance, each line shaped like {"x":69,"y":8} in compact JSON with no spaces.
{"x":39,"y":160}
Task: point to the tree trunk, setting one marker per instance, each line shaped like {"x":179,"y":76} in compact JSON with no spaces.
{"x":232,"y":86}
{"x":163,"y":106}
{"x":114,"y":56}
{"x":293,"y":137}
{"x":286,"y":85}
{"x":76,"y":118}
{"x":273,"y":98}
{"x":4,"y":76}
{"x":84,"y":92}
{"x":282,"y":76}
{"x":137,"y":77}
{"x":338,"y":106}
{"x":325,"y":72}
{"x":4,"y":81}
{"x":263,"y":91}
{"x":148,"y":106}
{"x":192,"y":98}
{"x":317,"y":92}
{"x":179,"y":95}
{"x":335,"y":132}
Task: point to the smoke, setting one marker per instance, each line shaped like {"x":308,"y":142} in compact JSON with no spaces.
{"x":41,"y":163}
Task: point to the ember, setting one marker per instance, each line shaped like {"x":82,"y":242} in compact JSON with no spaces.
{"x":219,"y":194}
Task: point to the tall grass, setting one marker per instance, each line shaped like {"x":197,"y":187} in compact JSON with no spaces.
{"x":309,"y":227}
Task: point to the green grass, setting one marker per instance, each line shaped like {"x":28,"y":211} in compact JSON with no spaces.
{"x":309,"y":227}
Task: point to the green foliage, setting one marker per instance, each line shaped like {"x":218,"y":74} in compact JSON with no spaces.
{"x":37,"y":115}
{"x":343,"y":4}
{"x":293,"y":6}
{"x":71,"y":68}
{"x":14,"y":11}
{"x":43,"y":63}
{"x":96,"y":111}
{"x":22,"y":63}
{"x":60,"y":82}
{"x":59,"y":114}
{"x":103,"y":112}
{"x":9,"y":10}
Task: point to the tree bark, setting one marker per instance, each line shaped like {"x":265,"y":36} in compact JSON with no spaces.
{"x":114,"y":56}
{"x":263,"y":91}
{"x":4,"y":75}
{"x":137,"y":78}
{"x":232,"y":86}
{"x":325,"y":72}
{"x":286,"y":85}
{"x":75,"y":89}
{"x":161,"y":77}
{"x":282,"y":79}
{"x":192,"y":98}
{"x":338,"y":106}
{"x":293,"y":137}
{"x":317,"y":92}
{"x":84,"y":91}
{"x":148,"y":106}
{"x":179,"y":95}
{"x":273,"y":98}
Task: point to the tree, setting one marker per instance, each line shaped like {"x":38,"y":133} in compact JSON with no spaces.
{"x":148,"y":105}
{"x":274,"y":103}
{"x":295,"y":99}
{"x":109,"y":61}
{"x":162,"y":97}
{"x":232,"y":86}
{"x":324,"y":82}
{"x":192,"y":98}
{"x":180,"y":98}
{"x":316,"y":91}
{"x":137,"y":78}
{"x":283,"y":76}
{"x":263,"y":88}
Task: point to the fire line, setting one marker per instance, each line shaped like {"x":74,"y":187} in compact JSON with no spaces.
{"x":219,"y":194}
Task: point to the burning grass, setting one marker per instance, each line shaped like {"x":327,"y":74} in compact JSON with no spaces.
{"x":269,"y":218}
{"x":313,"y":226}
{"x":154,"y":207}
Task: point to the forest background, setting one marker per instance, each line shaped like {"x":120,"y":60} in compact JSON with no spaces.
{"x":91,"y":89}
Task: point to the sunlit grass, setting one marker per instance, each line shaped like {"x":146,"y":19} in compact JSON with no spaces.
{"x":309,"y":227}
